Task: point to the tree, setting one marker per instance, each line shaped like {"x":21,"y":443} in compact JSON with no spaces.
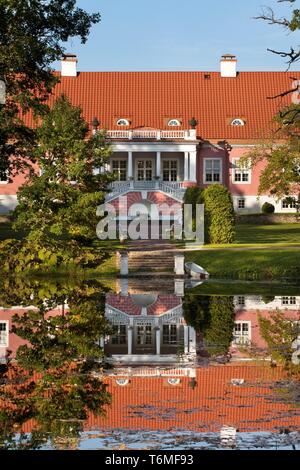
{"x":291,"y":24}
{"x":279,"y":332}
{"x":219,"y":214}
{"x":213,"y":318}
{"x":32,"y":36}
{"x":57,"y":208}
{"x":57,"y":378}
{"x":280,"y":176}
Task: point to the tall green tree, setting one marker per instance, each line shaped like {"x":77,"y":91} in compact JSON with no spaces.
{"x":32,"y":37}
{"x":57,"y":205}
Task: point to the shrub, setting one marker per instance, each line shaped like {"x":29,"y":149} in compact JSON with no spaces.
{"x":219,"y":215}
{"x":268,"y":208}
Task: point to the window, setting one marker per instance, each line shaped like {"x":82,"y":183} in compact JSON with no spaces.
{"x":119,"y":334}
{"x":241,"y":173}
{"x":241,"y":203}
{"x":122,"y":122}
{"x":169,"y":334}
{"x":212,"y":170}
{"x":174,"y":381}
{"x":170,"y":170}
{"x":242,"y":332}
{"x":120,"y":168}
{"x":289,"y":203}
{"x":174,"y":122}
{"x":3,"y":177}
{"x":241,"y":300}
{"x":288,"y":300}
{"x":144,"y":170}
{"x":3,"y":334}
{"x":122,"y":382}
{"x":237,"y":122}
{"x":144,"y":334}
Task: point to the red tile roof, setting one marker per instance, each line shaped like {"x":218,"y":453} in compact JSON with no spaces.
{"x":151,"y":98}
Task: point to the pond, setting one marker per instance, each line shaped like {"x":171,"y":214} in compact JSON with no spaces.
{"x":148,"y":364}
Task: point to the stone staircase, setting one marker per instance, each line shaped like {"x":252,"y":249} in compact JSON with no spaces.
{"x":150,"y":261}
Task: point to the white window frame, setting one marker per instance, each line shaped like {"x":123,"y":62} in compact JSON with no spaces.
{"x":236,"y":343}
{"x":221,"y":171}
{"x":288,"y":300}
{"x":122,"y":122}
{"x":239,"y":122}
{"x":289,"y":205}
{"x":236,"y":169}
{"x":115,"y":159}
{"x":5,"y":182}
{"x":5,"y":345}
{"x":137,"y":169}
{"x":164,"y":159}
{"x":174,"y":122}
{"x":238,"y":203}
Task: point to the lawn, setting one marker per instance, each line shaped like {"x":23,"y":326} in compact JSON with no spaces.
{"x":268,"y":234}
{"x":266,"y":264}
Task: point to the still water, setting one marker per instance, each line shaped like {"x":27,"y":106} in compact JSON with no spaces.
{"x":156,"y":364}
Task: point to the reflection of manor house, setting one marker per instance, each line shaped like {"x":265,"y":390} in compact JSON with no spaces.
{"x":247,"y":310}
{"x":148,"y":328}
{"x":172,"y":130}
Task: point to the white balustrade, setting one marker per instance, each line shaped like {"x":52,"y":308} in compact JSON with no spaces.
{"x":151,"y":134}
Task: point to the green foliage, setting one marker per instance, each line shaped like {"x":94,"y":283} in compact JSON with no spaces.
{"x":281,"y":175}
{"x":58,"y":377}
{"x":219,"y":215}
{"x":57,"y":209}
{"x":279,"y":332}
{"x":213,"y":318}
{"x":32,"y":38}
{"x":268,"y":208}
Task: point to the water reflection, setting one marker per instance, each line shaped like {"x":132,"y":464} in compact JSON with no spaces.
{"x":90,"y":364}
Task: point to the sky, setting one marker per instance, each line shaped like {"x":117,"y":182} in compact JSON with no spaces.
{"x":142,"y":35}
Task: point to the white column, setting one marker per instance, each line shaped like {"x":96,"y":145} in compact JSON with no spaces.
{"x":124,"y":264}
{"x":193,"y":159}
{"x":192,"y":340}
{"x":158,"y":163}
{"x":158,"y":342}
{"x":129,"y":340}
{"x":186,"y":339}
{"x":130,"y":169}
{"x":179,"y":265}
{"x":186,"y":166}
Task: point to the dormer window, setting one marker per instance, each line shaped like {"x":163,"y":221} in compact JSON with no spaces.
{"x":237,"y":122}
{"x":174,"y":123}
{"x":122,"y":122}
{"x":122,"y":382}
{"x":173,"y":381}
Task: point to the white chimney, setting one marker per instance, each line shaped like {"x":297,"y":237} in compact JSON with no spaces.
{"x":69,"y":65}
{"x":228,"y":65}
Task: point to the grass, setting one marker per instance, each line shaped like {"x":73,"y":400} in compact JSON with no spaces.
{"x":231,"y":287}
{"x":268,"y":234}
{"x":252,"y":264}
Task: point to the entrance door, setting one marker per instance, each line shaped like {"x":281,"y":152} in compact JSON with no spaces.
{"x":144,"y":342}
{"x":144,"y":170}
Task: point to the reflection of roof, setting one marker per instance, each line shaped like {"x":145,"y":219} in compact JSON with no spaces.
{"x":150,"y":403}
{"x":152,"y":98}
{"x":128,"y":304}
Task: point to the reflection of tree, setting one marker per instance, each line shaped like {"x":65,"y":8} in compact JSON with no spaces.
{"x":281,"y":335}
{"x":57,"y":378}
{"x":213,"y":318}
